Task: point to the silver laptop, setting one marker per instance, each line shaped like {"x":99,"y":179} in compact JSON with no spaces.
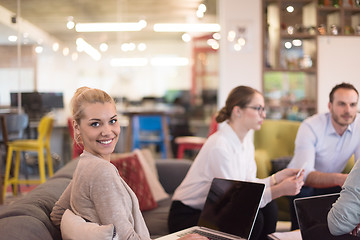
{"x":311,"y":213}
{"x":229,"y":212}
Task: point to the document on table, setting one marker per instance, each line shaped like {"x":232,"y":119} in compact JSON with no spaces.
{"x":293,"y":235}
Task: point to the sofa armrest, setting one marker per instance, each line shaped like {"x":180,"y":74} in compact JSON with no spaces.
{"x":171,"y":172}
{"x":263,"y":163}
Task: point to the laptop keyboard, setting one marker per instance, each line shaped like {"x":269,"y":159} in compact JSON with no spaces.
{"x":207,"y":234}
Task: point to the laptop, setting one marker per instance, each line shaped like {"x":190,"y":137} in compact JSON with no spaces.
{"x":229,"y":212}
{"x":311,"y":213}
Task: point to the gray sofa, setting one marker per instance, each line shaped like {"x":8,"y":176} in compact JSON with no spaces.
{"x":28,"y":217}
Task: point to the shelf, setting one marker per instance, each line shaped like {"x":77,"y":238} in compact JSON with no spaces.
{"x":328,"y":9}
{"x":311,"y":70}
{"x":298,"y":36}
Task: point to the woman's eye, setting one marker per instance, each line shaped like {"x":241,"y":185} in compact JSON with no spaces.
{"x":113,"y":121}
{"x":94,"y":124}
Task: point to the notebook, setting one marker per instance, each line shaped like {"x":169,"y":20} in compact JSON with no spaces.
{"x":230,"y":210}
{"x":311,"y":213}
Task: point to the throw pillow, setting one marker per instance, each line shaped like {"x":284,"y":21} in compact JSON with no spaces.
{"x":130,"y":170}
{"x":150,"y":160}
{"x":156,"y":188}
{"x":75,"y":227}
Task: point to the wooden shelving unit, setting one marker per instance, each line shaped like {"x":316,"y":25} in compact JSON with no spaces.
{"x":290,"y":50}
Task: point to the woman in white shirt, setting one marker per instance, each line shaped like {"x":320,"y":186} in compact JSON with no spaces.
{"x":229,"y":153}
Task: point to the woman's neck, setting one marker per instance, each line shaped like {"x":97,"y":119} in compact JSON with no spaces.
{"x":238,"y":129}
{"x":105,"y":157}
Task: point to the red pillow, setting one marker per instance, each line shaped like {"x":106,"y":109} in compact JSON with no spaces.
{"x":131,"y":171}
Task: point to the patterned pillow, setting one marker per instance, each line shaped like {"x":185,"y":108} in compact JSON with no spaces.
{"x":130,"y":170}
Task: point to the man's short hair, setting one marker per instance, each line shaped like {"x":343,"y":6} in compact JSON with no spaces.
{"x":342,"y":85}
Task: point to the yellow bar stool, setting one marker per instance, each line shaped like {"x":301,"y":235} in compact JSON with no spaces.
{"x":32,"y":145}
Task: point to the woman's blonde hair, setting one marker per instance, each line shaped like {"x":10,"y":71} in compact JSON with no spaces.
{"x":84,"y":95}
{"x":240,"y":96}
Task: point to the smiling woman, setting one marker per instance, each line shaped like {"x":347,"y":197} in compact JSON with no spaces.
{"x":97,"y":193}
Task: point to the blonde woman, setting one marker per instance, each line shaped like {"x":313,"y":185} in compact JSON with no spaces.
{"x":97,"y":193}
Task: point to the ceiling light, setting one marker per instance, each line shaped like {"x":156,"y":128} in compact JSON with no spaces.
{"x":82,"y":45}
{"x":288,"y":45}
{"x":126,"y":47}
{"x":55,"y":47}
{"x":141,"y":47}
{"x":66,"y":51}
{"x":12,"y":38}
{"x":231,"y":36}
{"x":110,"y":27}
{"x":169,"y":61}
{"x":213,"y":43}
{"x":290,"y":9}
{"x":199,"y":14}
{"x":39,"y":49}
{"x":132,"y":46}
{"x":237,"y":47}
{"x":216,"y":36}
{"x":186,"y":37}
{"x":297,"y":42}
{"x":186,"y":27}
{"x":202,"y":8}
{"x":70,"y":23}
{"x":241,"y":41}
{"x":103,"y":47}
{"x":128,"y":62}
{"x":215,"y":46}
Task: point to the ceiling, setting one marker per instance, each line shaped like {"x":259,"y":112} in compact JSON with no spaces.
{"x":51,"y":17}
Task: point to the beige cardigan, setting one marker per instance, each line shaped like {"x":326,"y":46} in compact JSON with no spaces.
{"x":97,"y":193}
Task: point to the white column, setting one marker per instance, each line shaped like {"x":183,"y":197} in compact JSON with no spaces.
{"x":240,"y":67}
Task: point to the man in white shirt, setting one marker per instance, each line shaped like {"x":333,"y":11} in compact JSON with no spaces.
{"x":324,"y":144}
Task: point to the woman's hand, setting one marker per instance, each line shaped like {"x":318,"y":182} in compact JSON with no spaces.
{"x":292,"y":185}
{"x":193,"y":236}
{"x":285,"y":173}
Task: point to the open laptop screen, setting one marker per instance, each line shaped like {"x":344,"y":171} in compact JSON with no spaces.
{"x":312,"y":213}
{"x":232,"y":206}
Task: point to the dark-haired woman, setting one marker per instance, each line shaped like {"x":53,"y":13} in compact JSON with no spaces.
{"x":229,"y":154}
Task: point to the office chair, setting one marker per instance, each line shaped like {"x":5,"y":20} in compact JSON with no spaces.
{"x":15,"y":126}
{"x":33,"y":145}
{"x":150,"y":129}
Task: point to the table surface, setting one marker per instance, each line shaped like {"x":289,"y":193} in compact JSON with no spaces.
{"x":292,"y":235}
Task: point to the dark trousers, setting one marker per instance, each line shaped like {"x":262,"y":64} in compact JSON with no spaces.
{"x":182,"y":216}
{"x":265,"y":222}
{"x":307,"y":192}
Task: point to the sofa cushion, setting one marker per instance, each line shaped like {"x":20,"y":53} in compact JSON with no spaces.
{"x":131,"y":171}
{"x":156,"y":189}
{"x":24,"y":227}
{"x":172,"y":172}
{"x":66,"y":171}
{"x":156,"y":219}
{"x":39,"y":203}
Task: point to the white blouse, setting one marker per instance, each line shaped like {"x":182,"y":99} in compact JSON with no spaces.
{"x":222,"y":156}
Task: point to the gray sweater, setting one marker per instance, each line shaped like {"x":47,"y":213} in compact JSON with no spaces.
{"x":98,"y":193}
{"x":345,"y":213}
